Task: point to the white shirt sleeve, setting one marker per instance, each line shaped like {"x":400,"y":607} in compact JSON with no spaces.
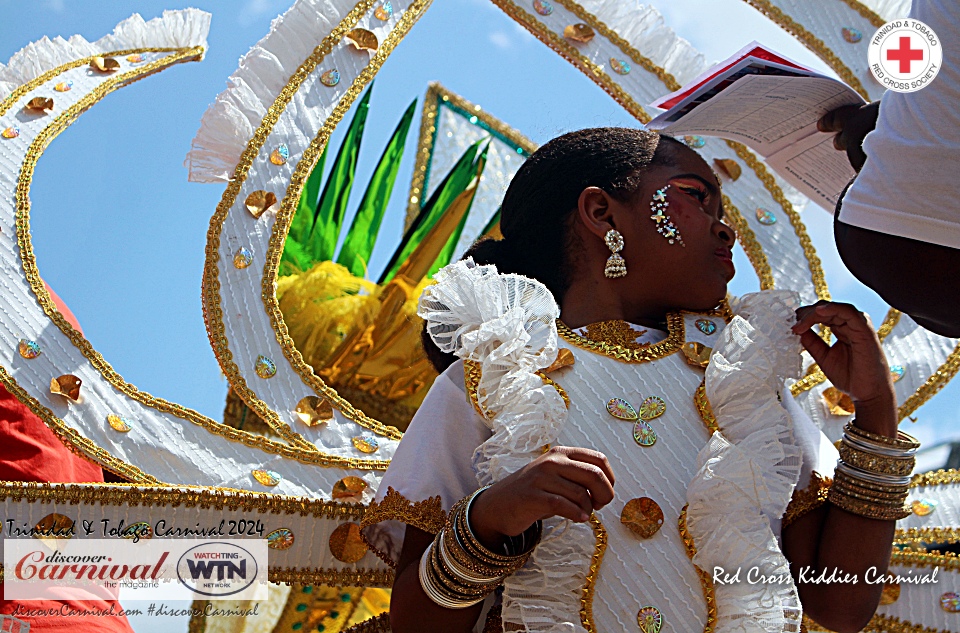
{"x":909,"y":185}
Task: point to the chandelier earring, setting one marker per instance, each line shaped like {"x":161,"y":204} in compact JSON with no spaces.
{"x":665,"y":226}
{"x":616,"y":266}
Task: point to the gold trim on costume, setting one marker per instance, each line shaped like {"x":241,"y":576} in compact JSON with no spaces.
{"x":706,"y":582}
{"x":428,"y":130}
{"x":935,"y":478}
{"x":924,"y":536}
{"x":213,"y":313}
{"x":379,"y":624}
{"x":704,"y":408}
{"x":934,"y":383}
{"x":811,"y":41}
{"x":670,"y":345}
{"x":553,"y":383}
{"x":807,"y":499}
{"x":471,"y":381}
{"x":427,"y":515}
{"x":586,"y":599}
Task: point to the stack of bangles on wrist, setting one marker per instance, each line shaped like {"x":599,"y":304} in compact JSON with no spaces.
{"x":457,"y":571}
{"x":873,"y":475}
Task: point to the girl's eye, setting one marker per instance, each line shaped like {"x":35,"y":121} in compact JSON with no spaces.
{"x":697,"y":193}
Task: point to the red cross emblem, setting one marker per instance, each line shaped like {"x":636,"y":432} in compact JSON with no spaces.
{"x":905,"y":55}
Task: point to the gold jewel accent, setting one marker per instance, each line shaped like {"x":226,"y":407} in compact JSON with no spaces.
{"x":706,"y":582}
{"x":581,"y":33}
{"x":589,"y":584}
{"x":348,"y":487}
{"x":436,"y":93}
{"x":280,"y":538}
{"x":54,"y":526}
{"x":260,"y":201}
{"x":615,"y":332}
{"x":104,"y":64}
{"x":890,"y":593}
{"x":838,"y":403}
{"x":643,"y":354}
{"x":266,"y":477}
{"x":729,"y":167}
{"x":118,"y":423}
{"x":564,"y":359}
{"x":39,"y":104}
{"x":213,"y":309}
{"x":67,"y":386}
{"x":642,"y":516}
{"x":427,"y":515}
{"x":363,"y":39}
{"x":807,"y":499}
{"x":346,"y":545}
{"x":704,"y":408}
{"x":812,"y":42}
{"x":313,"y":410}
{"x":697,"y":354}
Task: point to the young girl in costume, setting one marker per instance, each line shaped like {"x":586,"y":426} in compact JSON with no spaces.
{"x":616,"y":450}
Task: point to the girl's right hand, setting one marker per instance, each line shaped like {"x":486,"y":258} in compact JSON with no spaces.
{"x":565,"y":481}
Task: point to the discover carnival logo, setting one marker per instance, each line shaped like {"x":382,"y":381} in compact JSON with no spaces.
{"x":217,"y":569}
{"x":905,"y":55}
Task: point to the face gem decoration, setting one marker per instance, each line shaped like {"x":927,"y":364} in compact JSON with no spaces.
{"x":28,"y":349}
{"x":121,"y":425}
{"x":366,"y":443}
{"x":650,"y":620}
{"x":63,"y":86}
{"x":280,"y":155}
{"x":260,"y":201}
{"x":665,"y":226}
{"x":896,"y":372}
{"x":346,"y":544}
{"x":766,"y":217}
{"x":330,"y":78}
{"x":384,"y":12}
{"x":619,"y":66}
{"x":349,"y":488}
{"x":851,"y":34}
{"x":104,"y":64}
{"x":313,"y":410}
{"x":242,"y":258}
{"x":695,"y":141}
{"x":67,"y":386}
{"x":706,"y":326}
{"x":924,"y":507}
{"x":642,"y":516}
{"x":267,"y":477}
{"x":281,"y":538}
{"x":11,"y":132}
{"x":542,"y":7}
{"x":265,"y":367}
{"x":581,"y":33}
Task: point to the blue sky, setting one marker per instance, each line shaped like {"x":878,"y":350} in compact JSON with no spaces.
{"x":120,"y":233}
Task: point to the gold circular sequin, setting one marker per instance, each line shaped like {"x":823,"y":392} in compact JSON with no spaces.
{"x":950,"y":602}
{"x":281,"y":538}
{"x":349,"y":487}
{"x":28,"y":349}
{"x":265,"y":367}
{"x":330,"y":78}
{"x":384,"y":12}
{"x":54,"y":526}
{"x":104,"y":64}
{"x":579,"y":33}
{"x":642,"y":516}
{"x":923,"y":507}
{"x":140,"y":530}
{"x":280,"y":155}
{"x":650,"y":620}
{"x":119,"y":424}
{"x":346,"y":544}
{"x":67,"y":386}
{"x":363,"y":39}
{"x":260,"y":201}
{"x":838,"y":403}
{"x":366,"y":443}
{"x":890,"y":593}
{"x":697,"y":354}
{"x":242,"y":258}
{"x":313,"y":410}
{"x":267,"y":477}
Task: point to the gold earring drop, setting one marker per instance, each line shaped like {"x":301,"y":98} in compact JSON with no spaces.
{"x":616,"y":266}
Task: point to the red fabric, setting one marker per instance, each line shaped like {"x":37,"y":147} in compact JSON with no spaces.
{"x":29,"y":451}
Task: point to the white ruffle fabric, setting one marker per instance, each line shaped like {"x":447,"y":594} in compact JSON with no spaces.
{"x":747,"y":472}
{"x":174,"y":29}
{"x":507,"y":323}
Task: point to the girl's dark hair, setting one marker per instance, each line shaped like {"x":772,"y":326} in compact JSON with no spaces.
{"x":537,"y":209}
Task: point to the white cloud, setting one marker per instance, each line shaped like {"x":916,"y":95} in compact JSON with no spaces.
{"x":253,"y":9}
{"x":57,"y":6}
{"x":501,"y":40}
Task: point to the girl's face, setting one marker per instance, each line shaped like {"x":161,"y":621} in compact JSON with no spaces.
{"x":692,"y":275}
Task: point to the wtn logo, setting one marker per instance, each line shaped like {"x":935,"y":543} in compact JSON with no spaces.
{"x":224,"y":568}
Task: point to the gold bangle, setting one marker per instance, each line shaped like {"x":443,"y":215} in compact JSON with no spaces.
{"x":842,"y":476}
{"x":886,"y":502}
{"x":876,"y":463}
{"x":867,"y":510}
{"x":902,"y":441}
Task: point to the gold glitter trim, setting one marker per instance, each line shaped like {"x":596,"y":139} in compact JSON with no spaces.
{"x":704,"y":408}
{"x":428,"y":131}
{"x":586,"y":599}
{"x":550,"y":381}
{"x":924,"y":536}
{"x":670,"y":345}
{"x":378,"y":624}
{"x":211,"y":286}
{"x":615,"y":332}
{"x":336,"y":577}
{"x":948,"y":561}
{"x":934,"y":383}
{"x":706,"y":582}
{"x":807,"y":499}
{"x":471,"y":380}
{"x":812,"y":42}
{"x":935,"y":478}
{"x":427,"y":515}
{"x":865,"y":12}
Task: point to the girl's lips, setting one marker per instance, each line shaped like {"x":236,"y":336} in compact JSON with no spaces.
{"x":724,"y":253}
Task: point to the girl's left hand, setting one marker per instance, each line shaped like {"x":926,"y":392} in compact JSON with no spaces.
{"x":854,"y":364}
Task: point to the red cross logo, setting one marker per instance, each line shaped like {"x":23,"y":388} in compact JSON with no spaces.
{"x":905,"y":55}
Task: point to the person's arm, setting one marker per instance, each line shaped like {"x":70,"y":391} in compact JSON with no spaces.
{"x":566,"y":482}
{"x":830,"y":538}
